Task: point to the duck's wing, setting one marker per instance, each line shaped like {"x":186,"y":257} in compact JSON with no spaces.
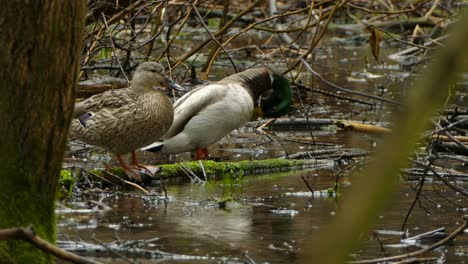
{"x":187,"y":95}
{"x":112,"y":99}
{"x":192,"y":103}
{"x":225,"y":108}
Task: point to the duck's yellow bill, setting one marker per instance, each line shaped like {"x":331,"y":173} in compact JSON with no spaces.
{"x":257,"y":112}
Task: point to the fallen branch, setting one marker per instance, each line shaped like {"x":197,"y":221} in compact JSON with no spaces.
{"x":408,"y":23}
{"x":450,"y":138}
{"x":449,"y":147}
{"x":377,"y":130}
{"x":425,"y":235}
{"x":330,"y":154}
{"x":91,"y":87}
{"x":419,"y":252}
{"x":360,"y":127}
{"x":126,"y":182}
{"x":409,"y":56}
{"x":416,"y":173}
{"x":280,"y":123}
{"x":441,"y":177}
{"x":28,"y":235}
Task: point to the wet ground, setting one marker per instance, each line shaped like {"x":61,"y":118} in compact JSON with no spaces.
{"x":268,"y":217}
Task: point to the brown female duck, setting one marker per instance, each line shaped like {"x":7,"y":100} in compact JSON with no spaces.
{"x":127,"y":119}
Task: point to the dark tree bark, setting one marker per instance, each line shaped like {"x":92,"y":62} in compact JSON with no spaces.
{"x":39,"y":57}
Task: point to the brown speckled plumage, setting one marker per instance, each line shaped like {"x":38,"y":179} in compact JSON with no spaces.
{"x":126,"y":119}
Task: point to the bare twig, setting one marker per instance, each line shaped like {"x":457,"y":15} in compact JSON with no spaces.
{"x":203,"y":169}
{"x":27,"y":234}
{"x":307,"y":184}
{"x":388,"y":12}
{"x":213,"y":37}
{"x":113,"y":47}
{"x":457,"y":189}
{"x":452,"y":138}
{"x":184,"y":21}
{"x":425,"y":234}
{"x":459,"y":230}
{"x":347,"y":90}
{"x":126,"y":182}
{"x":249,"y":27}
{"x":421,"y":184}
{"x":443,"y":129}
{"x":433,"y":7}
{"x":120,"y":256}
{"x":118,"y":16}
{"x":314,"y":43}
{"x":100,"y":177}
{"x":216,"y":34}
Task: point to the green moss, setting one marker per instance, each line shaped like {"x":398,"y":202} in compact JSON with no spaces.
{"x":235,"y":171}
{"x":219,"y":169}
{"x":105,"y":53}
{"x":66,"y":182}
{"x":213,"y":23}
{"x":25,"y":202}
{"x":24,"y":210}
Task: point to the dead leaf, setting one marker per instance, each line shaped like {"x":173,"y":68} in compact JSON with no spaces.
{"x":374,"y":42}
{"x":418,"y":35}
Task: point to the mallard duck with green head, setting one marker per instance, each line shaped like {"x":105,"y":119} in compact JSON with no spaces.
{"x":206,"y":114}
{"x":125,"y":120}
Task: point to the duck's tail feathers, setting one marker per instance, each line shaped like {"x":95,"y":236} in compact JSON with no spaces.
{"x":155,"y":147}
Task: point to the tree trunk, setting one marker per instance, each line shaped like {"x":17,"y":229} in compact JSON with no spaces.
{"x":39,"y":59}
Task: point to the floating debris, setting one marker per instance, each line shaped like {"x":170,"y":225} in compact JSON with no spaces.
{"x":290,"y":212}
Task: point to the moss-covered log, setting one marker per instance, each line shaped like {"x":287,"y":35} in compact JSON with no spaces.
{"x":245,"y":167}
{"x":215,"y":169}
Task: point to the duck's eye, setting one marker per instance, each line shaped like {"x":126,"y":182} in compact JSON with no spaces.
{"x":161,"y":83}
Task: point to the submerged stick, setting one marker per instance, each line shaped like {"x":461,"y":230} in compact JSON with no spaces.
{"x":419,"y":252}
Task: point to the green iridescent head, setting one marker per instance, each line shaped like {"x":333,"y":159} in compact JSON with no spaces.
{"x":278,"y":103}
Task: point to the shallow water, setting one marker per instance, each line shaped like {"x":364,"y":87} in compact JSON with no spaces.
{"x":272,"y":215}
{"x":269,"y":219}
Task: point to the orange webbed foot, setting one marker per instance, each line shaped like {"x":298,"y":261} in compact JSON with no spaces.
{"x":202,"y":154}
{"x":148,"y":169}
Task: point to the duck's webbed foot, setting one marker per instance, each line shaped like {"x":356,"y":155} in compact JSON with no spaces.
{"x":131,"y":173}
{"x":202,"y":154}
{"x":148,"y":169}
